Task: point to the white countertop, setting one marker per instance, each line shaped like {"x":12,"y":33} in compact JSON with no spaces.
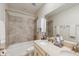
{"x":53,"y":50}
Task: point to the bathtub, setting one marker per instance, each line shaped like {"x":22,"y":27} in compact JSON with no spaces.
{"x":20,"y":49}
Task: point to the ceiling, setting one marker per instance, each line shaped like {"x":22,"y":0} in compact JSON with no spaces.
{"x":26,"y":7}
{"x":60,"y":9}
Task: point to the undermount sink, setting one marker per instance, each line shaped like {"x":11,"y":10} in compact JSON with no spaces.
{"x":44,"y":42}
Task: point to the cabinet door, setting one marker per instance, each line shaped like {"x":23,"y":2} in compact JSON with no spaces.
{"x":35,"y":53}
{"x":39,"y":51}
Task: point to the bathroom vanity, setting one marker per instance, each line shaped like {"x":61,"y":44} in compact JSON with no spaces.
{"x":46,"y":48}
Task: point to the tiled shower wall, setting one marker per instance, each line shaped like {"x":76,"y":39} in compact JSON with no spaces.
{"x":20,"y":29}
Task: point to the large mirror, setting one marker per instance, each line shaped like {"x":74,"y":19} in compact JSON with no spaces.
{"x":65,"y":21}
